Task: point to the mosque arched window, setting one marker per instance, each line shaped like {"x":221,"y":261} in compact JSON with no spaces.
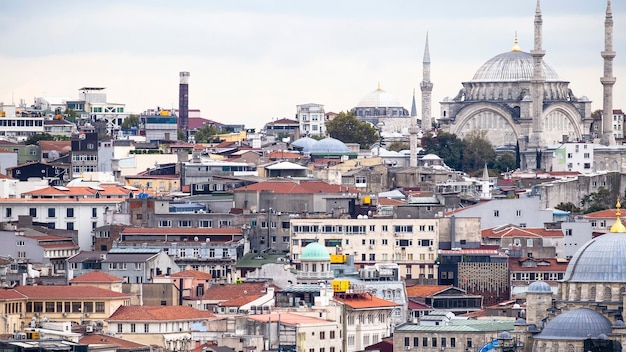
{"x":570,"y":348}
{"x":592,"y":293}
{"x":607,"y":293}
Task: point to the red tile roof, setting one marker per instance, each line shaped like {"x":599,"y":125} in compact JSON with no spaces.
{"x":514,"y":231}
{"x":366,"y":301}
{"x":196,"y":274}
{"x":103,"y":190}
{"x":425,"y":290}
{"x":68,"y":292}
{"x":603,"y":214}
{"x":275,"y":154}
{"x":415,"y":305}
{"x":100,"y":339}
{"x":233,"y":291}
{"x":159,"y":313}
{"x":240,"y":301}
{"x":389,"y":201}
{"x":9,"y":294}
{"x":288,"y":319}
{"x":96,"y":277}
{"x":543,"y":265}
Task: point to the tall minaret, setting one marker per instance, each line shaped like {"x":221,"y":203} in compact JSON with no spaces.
{"x":427,"y":88}
{"x":537,"y":81}
{"x":183,"y":102}
{"x":413,"y":131}
{"x":608,"y":80}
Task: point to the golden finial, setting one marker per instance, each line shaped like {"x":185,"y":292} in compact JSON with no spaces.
{"x":618,"y":226}
{"x":516,"y":47}
{"x":378,"y":86}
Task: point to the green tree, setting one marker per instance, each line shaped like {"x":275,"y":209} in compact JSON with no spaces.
{"x":39,"y":137}
{"x":447,"y":146}
{"x":596,"y":201}
{"x":132,"y":121}
{"x":205,"y":134}
{"x":569,"y":206}
{"x":71,"y":115}
{"x":348,"y":129}
{"x":182,"y":136}
{"x":505,"y":162}
{"x":398,"y":146}
{"x":478,"y":151}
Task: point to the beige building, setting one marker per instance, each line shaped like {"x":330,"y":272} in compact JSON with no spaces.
{"x":166,"y":326}
{"x":79,"y":305}
{"x":411,"y":243}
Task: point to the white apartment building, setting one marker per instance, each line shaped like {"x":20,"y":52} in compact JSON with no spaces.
{"x":411,"y":243}
{"x":573,"y":157}
{"x":17,"y":125}
{"x":311,"y":119}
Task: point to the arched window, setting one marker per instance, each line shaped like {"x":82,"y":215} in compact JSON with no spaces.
{"x":607,"y":293}
{"x":592,"y":293}
{"x":570,"y":348}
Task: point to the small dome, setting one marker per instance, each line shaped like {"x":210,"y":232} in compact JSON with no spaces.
{"x":379,"y":99}
{"x":603,"y":259}
{"x":329,"y":145}
{"x":315,"y":251}
{"x":539,"y":287}
{"x":619,"y":324}
{"x":505,"y":335}
{"x":512,"y":66}
{"x":305,"y":143}
{"x":577,"y":324}
{"x":431,"y":157}
{"x":520,"y":321}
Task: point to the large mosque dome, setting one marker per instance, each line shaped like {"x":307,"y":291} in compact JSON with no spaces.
{"x":603,"y":259}
{"x":379,"y":99}
{"x":577,"y":324}
{"x":513,"y":66}
{"x":328,"y":145}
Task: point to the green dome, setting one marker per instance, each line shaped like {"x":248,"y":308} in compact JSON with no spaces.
{"x":315,"y":251}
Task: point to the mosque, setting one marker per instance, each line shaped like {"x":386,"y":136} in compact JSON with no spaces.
{"x":516,"y":97}
{"x":587,"y":314}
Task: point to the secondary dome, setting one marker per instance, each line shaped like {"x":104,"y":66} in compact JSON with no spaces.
{"x":328,"y":145}
{"x":379,"y":99}
{"x":315,"y":251}
{"x":603,"y":259}
{"x":513,"y":66}
{"x":305,"y":143}
{"x":577,"y":324}
{"x":539,"y":287}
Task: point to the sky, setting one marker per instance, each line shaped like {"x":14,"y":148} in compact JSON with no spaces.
{"x":254,"y":61}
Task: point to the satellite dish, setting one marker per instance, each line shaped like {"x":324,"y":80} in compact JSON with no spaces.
{"x":207,"y":240}
{"x":195,"y":238}
{"x":53,"y":155}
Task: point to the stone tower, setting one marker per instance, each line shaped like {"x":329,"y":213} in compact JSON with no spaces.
{"x":427,"y":88}
{"x":538,"y":300}
{"x":537,"y":81}
{"x":608,"y":138}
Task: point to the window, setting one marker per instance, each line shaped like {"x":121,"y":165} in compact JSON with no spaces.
{"x":434,"y":342}
{"x":8,"y":212}
{"x":416,"y":342}
{"x":453,"y":342}
{"x":77,"y":307}
{"x":51,"y":212}
{"x":50,"y":307}
{"x":529,"y":242}
{"x":133,"y":327}
{"x":443,"y":342}
{"x":69,"y":212}
{"x":99,"y":307}
{"x":424,"y":341}
{"x":69,"y":225}
{"x":332,"y":334}
{"x":407,"y":341}
{"x":469,"y":343}
{"x":32,"y":212}
{"x":119,"y":328}
{"x":518,"y":213}
{"x":20,"y":243}
{"x":496,"y":213}
{"x":94,"y":212}
{"x":322,"y":335}
{"x":165,"y":223}
{"x":385,"y":228}
{"x":146,"y":328}
{"x":184,"y":223}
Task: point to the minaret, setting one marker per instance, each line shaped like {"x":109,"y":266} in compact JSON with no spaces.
{"x":183,"y":102}
{"x":427,"y":88}
{"x":413,"y":130}
{"x":537,"y":81}
{"x":608,"y":80}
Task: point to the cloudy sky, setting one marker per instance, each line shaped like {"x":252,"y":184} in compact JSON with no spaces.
{"x":252,"y":61}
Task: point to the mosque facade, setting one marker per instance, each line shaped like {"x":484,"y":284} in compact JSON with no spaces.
{"x":587,"y":314}
{"x":518,"y":99}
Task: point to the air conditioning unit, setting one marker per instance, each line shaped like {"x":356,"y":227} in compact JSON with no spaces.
{"x":64,"y":314}
{"x":371,"y":247}
{"x":89,"y":328}
{"x":430,"y":248}
{"x":86,"y":315}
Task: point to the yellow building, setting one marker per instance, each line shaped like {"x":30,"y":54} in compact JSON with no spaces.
{"x":77,"y":304}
